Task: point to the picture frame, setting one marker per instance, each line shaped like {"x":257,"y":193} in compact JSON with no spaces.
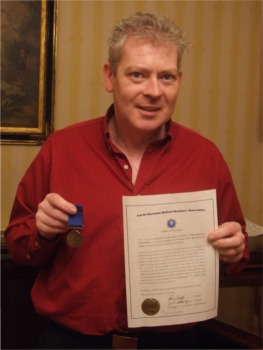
{"x":28,"y":55}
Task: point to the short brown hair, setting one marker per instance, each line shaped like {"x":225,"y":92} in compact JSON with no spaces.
{"x":150,"y":26}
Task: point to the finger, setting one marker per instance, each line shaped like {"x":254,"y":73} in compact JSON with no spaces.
{"x":228,"y":229}
{"x":58,"y":202}
{"x":56,"y":207}
{"x":52,"y":214}
{"x":231,"y":255}
{"x":230,"y":258}
{"x":233,"y":251}
{"x":46,"y":213}
{"x":232,"y":242}
{"x":46,"y":230}
{"x":58,"y":221}
{"x":48,"y":225}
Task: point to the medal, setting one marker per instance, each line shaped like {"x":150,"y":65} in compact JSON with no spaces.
{"x":75,"y":222}
{"x":74,"y":238}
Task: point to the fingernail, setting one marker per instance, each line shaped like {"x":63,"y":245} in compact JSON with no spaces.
{"x":73,"y":210}
{"x":211,"y":237}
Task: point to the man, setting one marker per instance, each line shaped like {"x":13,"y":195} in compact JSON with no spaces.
{"x":136,"y":149}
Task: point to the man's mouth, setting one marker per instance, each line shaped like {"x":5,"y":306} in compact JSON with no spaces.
{"x":149,"y":108}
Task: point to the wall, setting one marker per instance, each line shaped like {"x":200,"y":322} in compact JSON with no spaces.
{"x":220,"y":96}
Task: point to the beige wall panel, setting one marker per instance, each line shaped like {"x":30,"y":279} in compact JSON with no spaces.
{"x":14,"y":161}
{"x":220,"y":95}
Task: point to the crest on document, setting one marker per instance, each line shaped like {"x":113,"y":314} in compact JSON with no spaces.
{"x":150,"y":306}
{"x":171,"y":223}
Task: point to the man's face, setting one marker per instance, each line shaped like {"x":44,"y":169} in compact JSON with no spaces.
{"x":145,"y":86}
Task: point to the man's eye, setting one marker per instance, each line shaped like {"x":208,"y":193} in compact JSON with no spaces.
{"x":136,"y":75}
{"x":169,"y":77}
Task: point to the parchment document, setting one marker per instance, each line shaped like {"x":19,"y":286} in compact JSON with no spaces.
{"x":171,"y":269}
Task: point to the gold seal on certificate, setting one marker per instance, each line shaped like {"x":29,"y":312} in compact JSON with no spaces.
{"x":74,"y":238}
{"x":150,"y":306}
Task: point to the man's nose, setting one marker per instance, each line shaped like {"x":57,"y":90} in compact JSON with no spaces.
{"x":152,"y":88}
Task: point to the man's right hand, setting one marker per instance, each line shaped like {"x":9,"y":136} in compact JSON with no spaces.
{"x":52,"y":215}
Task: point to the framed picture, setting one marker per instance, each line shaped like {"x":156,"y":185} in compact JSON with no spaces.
{"x":28,"y":35}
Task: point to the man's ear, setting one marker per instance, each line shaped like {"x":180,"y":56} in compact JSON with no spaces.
{"x":108,"y":75}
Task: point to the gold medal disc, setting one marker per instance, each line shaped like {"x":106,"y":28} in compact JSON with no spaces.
{"x":74,"y":238}
{"x":150,"y":306}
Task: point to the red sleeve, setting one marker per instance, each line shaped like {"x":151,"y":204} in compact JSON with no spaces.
{"x":21,"y":235}
{"x":229,"y":210}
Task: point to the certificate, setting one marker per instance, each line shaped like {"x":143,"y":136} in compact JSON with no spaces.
{"x":171,"y":270}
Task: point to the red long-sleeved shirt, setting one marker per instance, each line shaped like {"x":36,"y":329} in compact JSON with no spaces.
{"x":84,"y":288}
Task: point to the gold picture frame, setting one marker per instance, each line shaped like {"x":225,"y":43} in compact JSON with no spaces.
{"x":29,"y":36}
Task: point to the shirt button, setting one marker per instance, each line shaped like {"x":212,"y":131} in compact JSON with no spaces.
{"x":28,"y":256}
{"x":36,"y":244}
{"x":126,"y":166}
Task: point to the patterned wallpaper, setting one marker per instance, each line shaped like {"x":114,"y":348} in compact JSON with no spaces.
{"x":220,"y":96}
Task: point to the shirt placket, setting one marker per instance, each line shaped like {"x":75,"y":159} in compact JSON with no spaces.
{"x":148,"y":163}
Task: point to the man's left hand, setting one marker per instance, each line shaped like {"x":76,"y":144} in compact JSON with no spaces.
{"x":228,"y":239}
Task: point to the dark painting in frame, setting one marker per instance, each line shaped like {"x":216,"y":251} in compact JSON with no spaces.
{"x":28,"y":49}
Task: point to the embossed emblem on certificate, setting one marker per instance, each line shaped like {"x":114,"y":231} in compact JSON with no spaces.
{"x":150,"y":306}
{"x":171,"y":223}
